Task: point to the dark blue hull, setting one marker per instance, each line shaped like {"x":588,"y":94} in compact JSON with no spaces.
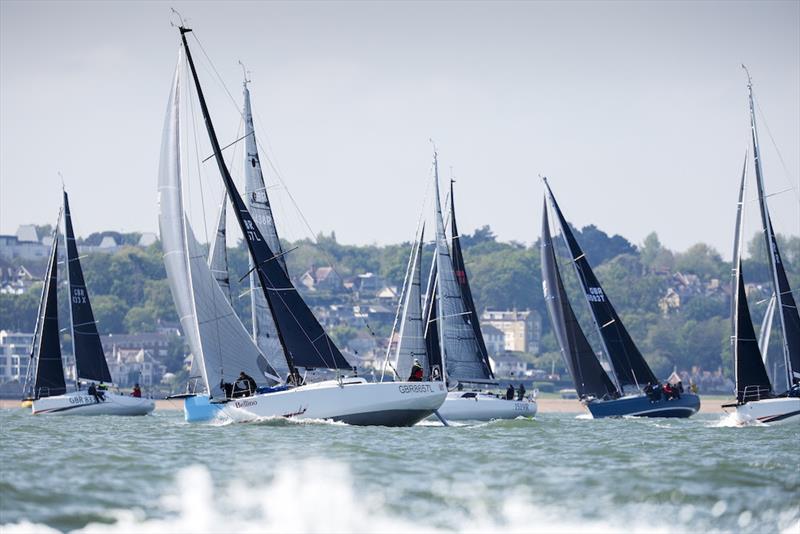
{"x":641,"y":406}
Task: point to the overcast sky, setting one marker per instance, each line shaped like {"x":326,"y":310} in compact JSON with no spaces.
{"x":637,"y":112}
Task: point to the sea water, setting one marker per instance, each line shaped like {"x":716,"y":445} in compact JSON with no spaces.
{"x":557,"y":473}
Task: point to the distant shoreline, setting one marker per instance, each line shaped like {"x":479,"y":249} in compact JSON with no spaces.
{"x":709,"y":405}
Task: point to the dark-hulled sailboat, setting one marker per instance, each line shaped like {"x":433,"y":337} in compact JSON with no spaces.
{"x":759,"y":398}
{"x":628,"y":387}
{"x":49,"y":392}
{"x":303,"y":343}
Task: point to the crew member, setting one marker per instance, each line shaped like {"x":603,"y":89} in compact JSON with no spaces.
{"x":137,"y":391}
{"x":98,"y":395}
{"x":521,"y":392}
{"x":416,"y":372}
{"x":246,"y":384}
{"x":510,"y":392}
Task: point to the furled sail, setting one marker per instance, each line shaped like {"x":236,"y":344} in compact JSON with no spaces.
{"x":751,"y":377}
{"x":218,"y":256}
{"x":49,"y":376}
{"x":463,"y":358}
{"x":411,"y":333}
{"x":587,"y":373}
{"x":629,"y":365}
{"x":787,"y":306}
{"x":460,"y":270}
{"x":216,"y":337}
{"x":264,"y":330}
{"x":304,"y":341}
{"x":90,"y":360}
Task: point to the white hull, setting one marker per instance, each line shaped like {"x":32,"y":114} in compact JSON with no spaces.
{"x":770,"y":411}
{"x":472,"y":406}
{"x":81,"y":403}
{"x":353,"y":401}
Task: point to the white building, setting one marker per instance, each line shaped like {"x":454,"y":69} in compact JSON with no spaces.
{"x":130,"y":366}
{"x":522,"y":329}
{"x":15,"y":354}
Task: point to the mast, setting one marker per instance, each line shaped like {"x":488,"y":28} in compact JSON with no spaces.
{"x":439,"y":297}
{"x":790,"y":321}
{"x":302,"y":337}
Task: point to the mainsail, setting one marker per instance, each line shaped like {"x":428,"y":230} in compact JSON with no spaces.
{"x":218,"y":256}
{"x":264,"y":330}
{"x":90,"y":360}
{"x":587,"y":373}
{"x":751,"y":377}
{"x":216,"y":337}
{"x":461,"y":349}
{"x":460,"y":270}
{"x":411,"y":333}
{"x":46,"y":351}
{"x":787,"y":307}
{"x":303,"y":339}
{"x":629,"y":365}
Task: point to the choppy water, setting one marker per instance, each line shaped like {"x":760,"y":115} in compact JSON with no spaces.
{"x":555,"y":473}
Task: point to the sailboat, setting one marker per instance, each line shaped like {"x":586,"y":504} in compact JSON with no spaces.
{"x":756,"y":395}
{"x":49,"y":387}
{"x":602,"y":390}
{"x":447,"y":339}
{"x":219,"y":341}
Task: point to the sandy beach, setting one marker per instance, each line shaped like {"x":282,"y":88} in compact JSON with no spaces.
{"x":546,"y":405}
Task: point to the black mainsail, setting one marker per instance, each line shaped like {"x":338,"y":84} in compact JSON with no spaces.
{"x":787,"y":307}
{"x":90,"y":360}
{"x":49,"y":376}
{"x":590,"y":378}
{"x":751,"y":377}
{"x":460,"y":270}
{"x":304,"y":341}
{"x":630,"y":367}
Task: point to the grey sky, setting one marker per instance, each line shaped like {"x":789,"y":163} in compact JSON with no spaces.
{"x":636,"y":111}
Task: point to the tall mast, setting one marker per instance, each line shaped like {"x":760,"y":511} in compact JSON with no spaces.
{"x":65,"y":209}
{"x":767,"y":225}
{"x":438,"y":293}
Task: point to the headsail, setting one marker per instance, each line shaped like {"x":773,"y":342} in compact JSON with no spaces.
{"x":216,"y":337}
{"x":752,"y":381}
{"x":431,"y":324}
{"x":264,"y":330}
{"x":587,"y":373}
{"x":629,"y":365}
{"x":411,"y":333}
{"x":463,"y":358}
{"x":460,"y":270}
{"x":787,"y":307}
{"x":218,"y":256}
{"x":90,"y":360}
{"x":304,"y":341}
{"x":46,"y":353}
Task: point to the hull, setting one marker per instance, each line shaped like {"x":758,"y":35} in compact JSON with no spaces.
{"x":641,"y":406}
{"x":772,"y":411}
{"x":472,"y":406}
{"x":353,"y":401}
{"x":81,"y":403}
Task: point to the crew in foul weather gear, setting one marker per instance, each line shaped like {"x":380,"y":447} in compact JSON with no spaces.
{"x":416,"y":372}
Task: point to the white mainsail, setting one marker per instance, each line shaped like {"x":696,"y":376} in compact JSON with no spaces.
{"x":216,"y":337}
{"x":411,"y":333}
{"x":264,"y":331}
{"x":461,"y":354}
{"x":218,"y":256}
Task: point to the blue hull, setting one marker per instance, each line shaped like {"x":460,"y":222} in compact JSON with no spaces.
{"x":686,"y":406}
{"x":200,"y":409}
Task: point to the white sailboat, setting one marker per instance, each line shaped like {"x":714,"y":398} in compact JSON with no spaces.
{"x":756,"y":395}
{"x":220,"y":343}
{"x":445,"y":338}
{"x":49,"y":391}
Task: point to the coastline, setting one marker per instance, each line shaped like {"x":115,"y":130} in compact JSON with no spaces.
{"x":708,"y":405}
